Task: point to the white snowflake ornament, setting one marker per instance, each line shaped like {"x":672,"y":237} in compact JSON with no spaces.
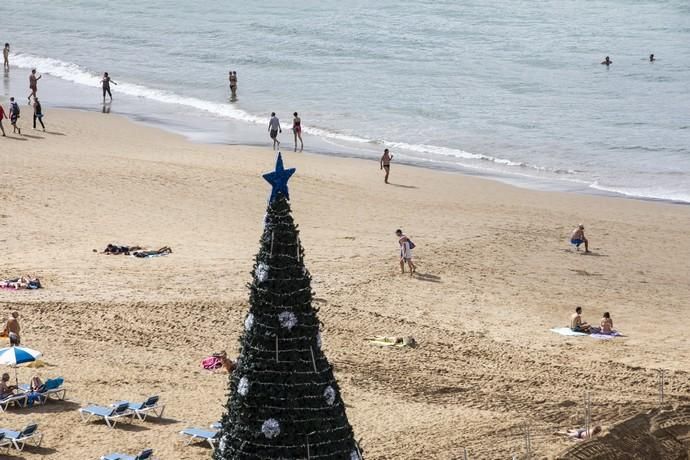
{"x":329,"y":395}
{"x":288,"y":320}
{"x":249,"y":322}
{"x":262,"y":272}
{"x":243,"y":386}
{"x":271,"y":428}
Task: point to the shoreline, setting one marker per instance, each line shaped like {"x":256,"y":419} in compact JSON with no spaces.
{"x":210,"y":129}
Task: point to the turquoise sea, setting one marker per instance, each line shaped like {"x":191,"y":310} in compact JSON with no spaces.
{"x":513,"y":90}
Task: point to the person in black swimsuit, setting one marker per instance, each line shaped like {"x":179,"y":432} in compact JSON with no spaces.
{"x":105,"y":83}
{"x":297,"y":130}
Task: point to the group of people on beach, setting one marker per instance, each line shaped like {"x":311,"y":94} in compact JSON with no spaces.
{"x":607,"y":60}
{"x":274,"y":129}
{"x":577,"y":324}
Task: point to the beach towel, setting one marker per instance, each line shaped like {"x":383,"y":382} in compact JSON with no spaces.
{"x":567,"y":331}
{"x":164,"y":251}
{"x":399,"y":342}
{"x":595,"y":333}
{"x":610,"y":336}
{"x":20,"y":283}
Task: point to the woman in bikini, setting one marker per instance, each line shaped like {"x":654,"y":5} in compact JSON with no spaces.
{"x":297,"y":130}
{"x":606,"y":324}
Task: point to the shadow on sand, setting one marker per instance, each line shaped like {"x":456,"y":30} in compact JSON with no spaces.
{"x":427,"y":277}
{"x":402,"y":185}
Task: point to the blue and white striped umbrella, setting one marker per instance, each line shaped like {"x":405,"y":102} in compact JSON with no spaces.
{"x":14,"y":356}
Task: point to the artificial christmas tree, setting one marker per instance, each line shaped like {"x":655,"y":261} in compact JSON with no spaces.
{"x":283,"y":402}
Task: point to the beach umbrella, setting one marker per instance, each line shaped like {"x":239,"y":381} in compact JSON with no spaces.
{"x":14,"y":356}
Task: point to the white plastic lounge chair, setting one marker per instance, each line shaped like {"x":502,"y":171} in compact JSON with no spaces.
{"x":19,"y":439}
{"x":216,"y":426}
{"x":52,"y":389}
{"x":194,"y":435}
{"x":146,"y":454}
{"x":14,"y":400}
{"x":141,"y":410}
{"x":111,"y":415}
{"x":4,"y":442}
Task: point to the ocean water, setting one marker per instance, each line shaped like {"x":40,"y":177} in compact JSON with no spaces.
{"x":507,"y":89}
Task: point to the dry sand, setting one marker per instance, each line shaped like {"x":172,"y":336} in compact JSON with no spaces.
{"x":495,"y":274}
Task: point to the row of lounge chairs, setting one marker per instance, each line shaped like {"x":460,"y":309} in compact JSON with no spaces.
{"x":117,"y":412}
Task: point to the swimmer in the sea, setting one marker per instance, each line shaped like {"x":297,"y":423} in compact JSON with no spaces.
{"x":607,"y":62}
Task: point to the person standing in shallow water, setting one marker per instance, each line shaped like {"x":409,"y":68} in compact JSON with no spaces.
{"x":386,"y":164}
{"x":607,"y":61}
{"x":6,"y":56}
{"x":232,"y":77}
{"x":274,"y":129}
{"x":33,"y":84}
{"x":652,"y":58}
{"x":297,"y":131}
{"x":105,"y":83}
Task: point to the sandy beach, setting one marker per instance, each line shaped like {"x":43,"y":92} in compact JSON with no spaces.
{"x":495,"y":274}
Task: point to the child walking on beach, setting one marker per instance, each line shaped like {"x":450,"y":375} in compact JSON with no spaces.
{"x":105,"y":83}
{"x":406,"y":247}
{"x":14,"y":116}
{"x":38,"y":114}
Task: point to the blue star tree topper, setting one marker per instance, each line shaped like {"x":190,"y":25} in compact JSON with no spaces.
{"x":279,"y":179}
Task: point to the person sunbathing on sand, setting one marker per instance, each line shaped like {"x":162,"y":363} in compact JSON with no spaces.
{"x":581,"y":434}
{"x":606,"y":324}
{"x":36,"y":383}
{"x":576,"y":323}
{"x":578,"y":237}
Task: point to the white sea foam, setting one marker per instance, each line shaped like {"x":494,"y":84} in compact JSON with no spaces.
{"x":76,"y":74}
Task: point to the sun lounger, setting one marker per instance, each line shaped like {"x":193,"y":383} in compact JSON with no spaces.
{"x":52,"y":388}
{"x":19,"y":439}
{"x":111,"y":415}
{"x":216,"y":425}
{"x":4,"y":442}
{"x":146,"y":454}
{"x":14,"y":400}
{"x":194,"y":435}
{"x":141,"y":410}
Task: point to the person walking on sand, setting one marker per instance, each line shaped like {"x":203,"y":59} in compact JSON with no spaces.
{"x":297,"y":130}
{"x":14,"y":116}
{"x":274,"y":129}
{"x":386,"y":163}
{"x":2,"y":116}
{"x":6,"y":56}
{"x":232,"y":76}
{"x":12,"y":329}
{"x":406,"y":247}
{"x":38,"y":114}
{"x":105,"y":84}
{"x":578,"y":237}
{"x":33,"y":84}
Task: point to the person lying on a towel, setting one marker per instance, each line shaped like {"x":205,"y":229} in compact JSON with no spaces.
{"x":162,"y":251}
{"x":23,"y":282}
{"x":117,"y":249}
{"x":576,"y":323}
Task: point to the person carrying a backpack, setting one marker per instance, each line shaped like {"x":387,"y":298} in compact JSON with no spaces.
{"x":14,"y":116}
{"x":406,"y":247}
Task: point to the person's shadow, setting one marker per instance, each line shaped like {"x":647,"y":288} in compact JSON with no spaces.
{"x":427,"y":277}
{"x":402,"y":186}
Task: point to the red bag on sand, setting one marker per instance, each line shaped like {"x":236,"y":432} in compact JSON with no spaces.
{"x":211,"y":363}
